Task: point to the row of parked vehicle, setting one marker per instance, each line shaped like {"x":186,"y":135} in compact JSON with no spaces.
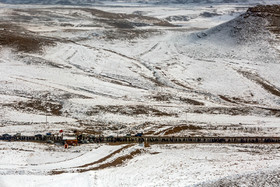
{"x":6,"y":137}
{"x":49,"y":138}
{"x":38,"y":137}
{"x":84,"y":139}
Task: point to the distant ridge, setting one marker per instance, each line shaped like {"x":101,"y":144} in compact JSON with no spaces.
{"x":258,"y":23}
{"x":87,"y":2}
{"x":49,"y":2}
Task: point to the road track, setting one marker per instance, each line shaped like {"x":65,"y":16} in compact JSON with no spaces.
{"x":148,"y":139}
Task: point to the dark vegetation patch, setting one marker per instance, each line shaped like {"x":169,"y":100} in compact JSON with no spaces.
{"x":234,"y":111}
{"x":66,"y":25}
{"x":224,"y":110}
{"x":181,"y":84}
{"x":236,"y":100}
{"x":128,"y":110}
{"x":137,"y":19}
{"x":270,"y":88}
{"x":91,"y":131}
{"x":22,"y":40}
{"x":154,"y":153}
{"x":117,"y":25}
{"x":168,"y":97}
{"x":129,"y":34}
{"x":191,"y":101}
{"x":38,"y":105}
{"x":180,"y":128}
{"x":56,"y":172}
{"x":162,"y":97}
{"x":150,"y":132}
{"x":226,"y":99}
{"x":175,"y":129}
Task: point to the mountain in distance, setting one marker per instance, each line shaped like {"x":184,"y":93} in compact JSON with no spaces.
{"x":86,"y":2}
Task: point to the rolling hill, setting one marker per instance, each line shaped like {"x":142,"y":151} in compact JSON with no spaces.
{"x":115,"y":73}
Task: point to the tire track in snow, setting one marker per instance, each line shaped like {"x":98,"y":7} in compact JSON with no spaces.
{"x":86,"y":167}
{"x":137,"y":63}
{"x":150,"y":50}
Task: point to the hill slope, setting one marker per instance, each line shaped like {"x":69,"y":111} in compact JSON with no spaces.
{"x":110,"y":73}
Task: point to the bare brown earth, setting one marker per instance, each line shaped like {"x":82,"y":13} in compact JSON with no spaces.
{"x":20,"y":39}
{"x":236,"y":100}
{"x":270,"y":12}
{"x":177,"y":129}
{"x":38,"y":105}
{"x":121,"y":20}
{"x":128,"y":110}
{"x":234,"y":111}
{"x":180,"y":128}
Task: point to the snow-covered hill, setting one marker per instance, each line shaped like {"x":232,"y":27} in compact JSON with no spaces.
{"x":112,"y":70}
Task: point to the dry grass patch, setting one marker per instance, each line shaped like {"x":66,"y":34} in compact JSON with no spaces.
{"x":38,"y":105}
{"x":20,"y":39}
{"x":128,"y":110}
{"x":149,"y":132}
{"x":178,"y":129}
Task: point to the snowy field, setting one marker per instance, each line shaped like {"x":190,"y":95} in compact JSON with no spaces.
{"x":26,"y":164}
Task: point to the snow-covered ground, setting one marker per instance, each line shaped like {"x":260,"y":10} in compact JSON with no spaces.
{"x":120,"y":68}
{"x":158,"y":165}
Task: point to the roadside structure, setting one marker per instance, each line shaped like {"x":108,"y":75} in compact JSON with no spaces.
{"x":70,"y":140}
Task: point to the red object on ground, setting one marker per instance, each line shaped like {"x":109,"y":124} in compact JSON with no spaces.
{"x":72,"y":142}
{"x":66,"y":146}
{"x":61,"y":131}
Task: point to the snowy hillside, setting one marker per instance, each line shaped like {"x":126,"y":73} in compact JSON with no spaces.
{"x":107,"y":72}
